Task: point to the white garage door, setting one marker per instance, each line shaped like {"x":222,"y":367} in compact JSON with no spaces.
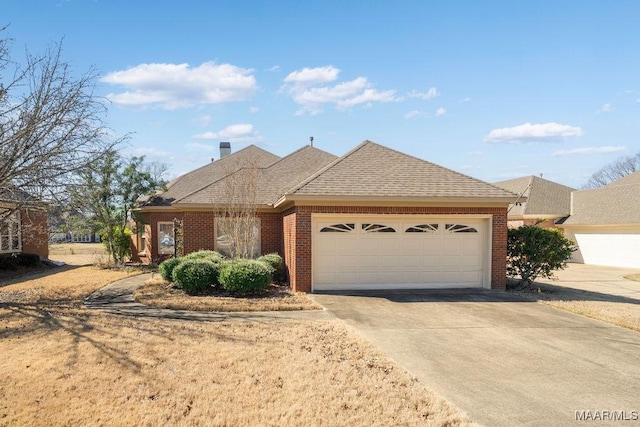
{"x":616,"y":250}
{"x":381,"y":252}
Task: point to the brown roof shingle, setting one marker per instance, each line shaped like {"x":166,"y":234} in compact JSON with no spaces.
{"x":372,"y":170}
{"x":193,"y":181}
{"x":540,"y":196}
{"x":616,"y":203}
{"x":272,"y":181}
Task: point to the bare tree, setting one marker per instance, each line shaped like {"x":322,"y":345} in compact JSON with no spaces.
{"x":51,"y":123}
{"x":614,"y":171}
{"x":158,"y":171}
{"x":237,"y":223}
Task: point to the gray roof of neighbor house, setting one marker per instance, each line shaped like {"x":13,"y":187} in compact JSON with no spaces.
{"x":614,"y":204}
{"x":195,"y":180}
{"x":271,"y":182}
{"x":540,"y":196}
{"x":374,"y":171}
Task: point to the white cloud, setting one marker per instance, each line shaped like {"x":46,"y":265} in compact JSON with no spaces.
{"x":203,"y":121}
{"x":312,"y":76}
{"x":307,"y":88}
{"x":174,"y":86}
{"x":540,"y":132}
{"x":241,"y":132}
{"x":590,"y":150}
{"x":274,"y":68}
{"x":440,"y":112}
{"x":253,"y":109}
{"x":605,"y":108}
{"x":431,"y":93}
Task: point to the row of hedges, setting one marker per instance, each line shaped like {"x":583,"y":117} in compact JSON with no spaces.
{"x":13,"y":261}
{"x":201,"y":271}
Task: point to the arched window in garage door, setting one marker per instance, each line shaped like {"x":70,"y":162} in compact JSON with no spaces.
{"x":422,"y":228}
{"x":459,"y":228}
{"x":339,"y":228}
{"x":377,"y":228}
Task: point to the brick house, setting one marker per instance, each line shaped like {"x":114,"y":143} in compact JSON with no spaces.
{"x":372,"y":218}
{"x":22,"y":229}
{"x":541,"y":201}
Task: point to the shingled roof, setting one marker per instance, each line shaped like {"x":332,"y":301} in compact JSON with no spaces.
{"x":539,"y":196}
{"x":272,"y":181}
{"x":374,"y":171}
{"x":193,"y":181}
{"x":615,"y":204}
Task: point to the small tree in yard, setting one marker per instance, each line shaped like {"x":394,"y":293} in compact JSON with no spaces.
{"x":237,"y":223}
{"x":536,"y":252}
{"x":107,"y":196}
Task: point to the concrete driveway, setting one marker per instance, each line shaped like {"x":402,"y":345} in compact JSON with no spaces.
{"x":503,"y":360}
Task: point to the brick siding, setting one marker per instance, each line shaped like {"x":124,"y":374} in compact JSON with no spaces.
{"x":35,"y":235}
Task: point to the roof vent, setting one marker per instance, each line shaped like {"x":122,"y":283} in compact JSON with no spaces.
{"x":225,"y":149}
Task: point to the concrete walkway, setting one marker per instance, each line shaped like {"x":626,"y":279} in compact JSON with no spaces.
{"x":505,"y":360}
{"x":117,"y":298}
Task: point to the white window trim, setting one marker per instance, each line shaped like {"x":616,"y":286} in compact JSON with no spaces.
{"x":166,"y":250}
{"x":14,"y":217}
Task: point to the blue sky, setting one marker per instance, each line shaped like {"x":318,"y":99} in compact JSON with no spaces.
{"x":493,"y":89}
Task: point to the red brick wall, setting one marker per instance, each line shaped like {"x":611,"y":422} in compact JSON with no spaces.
{"x":35,"y":235}
{"x":297,"y":231}
{"x":271,"y":236}
{"x":151,"y":220}
{"x":199,"y":232}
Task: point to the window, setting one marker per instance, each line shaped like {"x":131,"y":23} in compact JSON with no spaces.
{"x":143,"y":238}
{"x":166,"y":239}
{"x":238,"y":237}
{"x":10,"y":239}
{"x":422,"y":228}
{"x":377,"y":228}
{"x":338,"y":228}
{"x":460,"y":228}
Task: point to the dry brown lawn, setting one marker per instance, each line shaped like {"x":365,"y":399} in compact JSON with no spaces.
{"x":77,"y":253}
{"x":63,"y":364}
{"x":611,"y":309}
{"x":159,"y":293}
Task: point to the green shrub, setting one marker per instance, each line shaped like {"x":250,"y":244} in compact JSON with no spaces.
{"x":196,"y":275}
{"x":213,"y":256}
{"x":536,"y":252}
{"x":274,"y":261}
{"x":28,"y":260}
{"x":167,"y":266}
{"x":245,"y":276}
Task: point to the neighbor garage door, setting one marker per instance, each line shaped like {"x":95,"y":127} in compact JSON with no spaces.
{"x":382,"y":252}
{"x":620,"y":249}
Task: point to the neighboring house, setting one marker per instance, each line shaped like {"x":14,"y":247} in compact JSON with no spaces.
{"x":605,"y":223}
{"x":56,"y":236}
{"x":22,"y":229}
{"x":541,"y":201}
{"x":372,"y":218}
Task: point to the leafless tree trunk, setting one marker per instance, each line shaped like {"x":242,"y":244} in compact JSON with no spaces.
{"x":50,"y":124}
{"x":237,"y":226}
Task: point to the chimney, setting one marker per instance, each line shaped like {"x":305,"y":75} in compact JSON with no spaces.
{"x":225,"y":149}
